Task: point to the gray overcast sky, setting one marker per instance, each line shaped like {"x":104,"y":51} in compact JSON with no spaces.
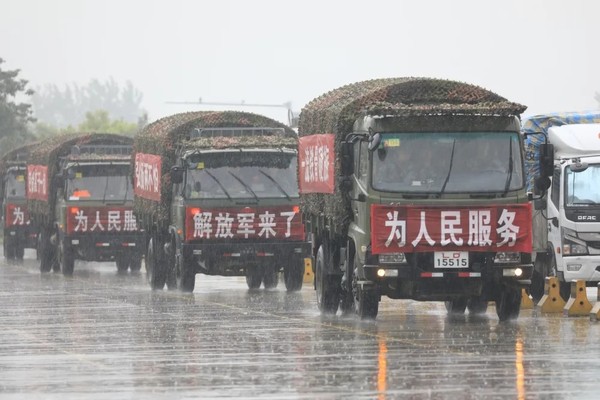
{"x":542,"y":53}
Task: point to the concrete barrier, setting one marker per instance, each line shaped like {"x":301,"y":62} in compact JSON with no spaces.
{"x":526,"y":301}
{"x":578,"y":303}
{"x":551,"y":302}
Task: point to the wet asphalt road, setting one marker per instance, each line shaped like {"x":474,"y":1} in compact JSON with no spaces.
{"x":104,"y":335}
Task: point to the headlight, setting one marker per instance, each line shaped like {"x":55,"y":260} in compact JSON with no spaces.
{"x":392,"y":258}
{"x":571,"y":244}
{"x":507,"y":258}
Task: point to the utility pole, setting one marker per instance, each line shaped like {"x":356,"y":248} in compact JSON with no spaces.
{"x":292,"y":117}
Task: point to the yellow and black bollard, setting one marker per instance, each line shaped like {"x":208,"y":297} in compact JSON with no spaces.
{"x":551,"y":302}
{"x":578,"y":303}
{"x":526,"y":302}
{"x":308,"y":272}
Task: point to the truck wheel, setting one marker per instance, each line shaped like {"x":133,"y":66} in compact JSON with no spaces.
{"x":155,"y":273}
{"x":19,"y":250}
{"x":293,"y":275}
{"x":135,"y":262}
{"x":9,"y":247}
{"x":270,"y":276}
{"x":186,"y":276}
{"x":48,"y":259}
{"x":328,"y":293}
{"x":254,"y":276}
{"x":122,"y":263}
{"x":477,"y":305}
{"x":65,"y":259}
{"x":508,"y":304}
{"x":366,"y":302}
{"x":456,"y":306}
{"x":564,"y":288}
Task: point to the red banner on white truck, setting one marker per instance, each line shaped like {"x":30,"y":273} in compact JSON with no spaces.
{"x":316,"y":157}
{"x":411,"y":229}
{"x":37,"y":182}
{"x":147,"y":176}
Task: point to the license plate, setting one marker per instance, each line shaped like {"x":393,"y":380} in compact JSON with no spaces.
{"x":451,"y":259}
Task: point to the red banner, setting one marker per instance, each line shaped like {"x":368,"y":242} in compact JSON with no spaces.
{"x":100,"y":219}
{"x":268,"y":223}
{"x":146,"y":180}
{"x":316,"y":156}
{"x":37,"y":182}
{"x":16,"y":215}
{"x":412,"y":229}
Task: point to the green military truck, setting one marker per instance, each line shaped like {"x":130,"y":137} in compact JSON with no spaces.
{"x":217,"y":193}
{"x":19,"y":232}
{"x":414,"y":188}
{"x":80,"y":197}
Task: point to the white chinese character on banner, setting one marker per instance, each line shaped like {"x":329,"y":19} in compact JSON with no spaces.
{"x":114,"y":220}
{"x":479,"y":228}
{"x":224,"y":223}
{"x":267,"y":223}
{"x":82,"y":222}
{"x":202,"y":224}
{"x":129,"y":223}
{"x":19,"y":216}
{"x":290,"y":216}
{"x":398,"y":230}
{"x":506,"y":228}
{"x":423,"y":233}
{"x":451,"y":227}
{"x":245,"y":224}
{"x":97,"y":224}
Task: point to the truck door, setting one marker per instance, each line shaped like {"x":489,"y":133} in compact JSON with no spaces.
{"x":359,"y":190}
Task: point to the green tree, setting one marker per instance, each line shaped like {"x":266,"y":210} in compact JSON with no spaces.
{"x":14,"y":116}
{"x":95,"y":121}
{"x":62,"y":108}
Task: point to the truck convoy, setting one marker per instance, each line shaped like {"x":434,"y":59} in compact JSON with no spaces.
{"x":80,"y":196}
{"x":414,"y":188}
{"x":566,"y":224}
{"x":217,"y":193}
{"x":19,"y":232}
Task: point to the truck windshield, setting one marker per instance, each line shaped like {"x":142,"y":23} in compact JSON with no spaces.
{"x":104,"y":182}
{"x":242,"y":176}
{"x":15,"y":185}
{"x":582,"y":187}
{"x":448,"y":162}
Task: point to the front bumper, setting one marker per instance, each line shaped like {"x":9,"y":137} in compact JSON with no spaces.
{"x":586,"y":268}
{"x":22,"y":234}
{"x":105,"y":247}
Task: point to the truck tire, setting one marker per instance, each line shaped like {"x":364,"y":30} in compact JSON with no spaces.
{"x":19,"y":250}
{"x":508,"y":304}
{"x":564,"y":288}
{"x":328,"y":293}
{"x":155,"y":273}
{"x":65,"y":258}
{"x":122,"y":263}
{"x":293,"y":275}
{"x":270,"y":276}
{"x":456,"y":306}
{"x":9,"y":247}
{"x":135,"y":262}
{"x":48,"y":259}
{"x":366,"y":302}
{"x":477,"y":305}
{"x":186,"y":276}
{"x":254,"y":276}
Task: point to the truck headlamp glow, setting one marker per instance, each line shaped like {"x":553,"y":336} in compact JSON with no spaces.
{"x":392,"y":258}
{"x":571,"y":244}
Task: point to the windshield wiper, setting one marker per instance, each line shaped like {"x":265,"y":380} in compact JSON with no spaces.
{"x":510,"y":168}
{"x":276,"y":184}
{"x":244,"y":185}
{"x":220,"y":185}
{"x":449,"y":168}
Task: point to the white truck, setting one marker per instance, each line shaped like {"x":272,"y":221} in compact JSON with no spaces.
{"x":566,"y":223}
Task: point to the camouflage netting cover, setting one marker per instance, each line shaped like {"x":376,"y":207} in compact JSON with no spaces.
{"x":336,"y":111}
{"x":165,"y":136}
{"x":49,"y":152}
{"x":18,"y":155}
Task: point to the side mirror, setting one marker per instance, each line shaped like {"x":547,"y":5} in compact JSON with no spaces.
{"x":546,"y":160}
{"x":176,"y":174}
{"x":579,"y":166}
{"x":70,"y":174}
{"x":542,"y":183}
{"x":197,"y":186}
{"x":374,"y":141}
{"x":347,"y":161}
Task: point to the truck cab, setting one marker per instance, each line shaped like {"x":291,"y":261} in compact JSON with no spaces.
{"x":94,"y":209}
{"x":440,"y":212}
{"x":235,"y":212}
{"x":19,"y":233}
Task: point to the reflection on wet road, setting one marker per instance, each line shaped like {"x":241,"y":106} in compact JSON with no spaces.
{"x":104,"y":335}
